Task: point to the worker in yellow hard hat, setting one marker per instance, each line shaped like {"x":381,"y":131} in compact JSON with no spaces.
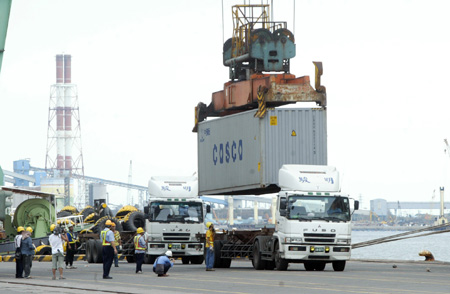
{"x":17,"y":243}
{"x":27,"y":248}
{"x":109,"y":248}
{"x":210,"y":235}
{"x":139,"y":249}
{"x":118,"y":241}
{"x":71,"y":247}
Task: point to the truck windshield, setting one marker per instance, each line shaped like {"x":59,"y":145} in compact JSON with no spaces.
{"x":173,"y":211}
{"x":331,"y":208}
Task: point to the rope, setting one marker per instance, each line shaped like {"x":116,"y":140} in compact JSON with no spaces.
{"x":403,"y":236}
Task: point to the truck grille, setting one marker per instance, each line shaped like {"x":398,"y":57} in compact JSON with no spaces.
{"x":319,"y":238}
{"x":176,"y":236}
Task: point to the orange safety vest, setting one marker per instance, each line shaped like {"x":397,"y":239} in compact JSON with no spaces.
{"x":136,"y":243}
{"x":103,"y":236}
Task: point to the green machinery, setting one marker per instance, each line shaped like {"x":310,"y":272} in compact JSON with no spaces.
{"x":5,"y":8}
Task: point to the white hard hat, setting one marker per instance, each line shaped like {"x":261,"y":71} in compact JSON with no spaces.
{"x":169,"y":253}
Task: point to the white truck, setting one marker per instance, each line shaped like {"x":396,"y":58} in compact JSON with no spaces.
{"x":313,"y":225}
{"x":175,"y":216}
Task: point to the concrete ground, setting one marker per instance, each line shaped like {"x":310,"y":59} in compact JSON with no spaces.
{"x":359,"y":277}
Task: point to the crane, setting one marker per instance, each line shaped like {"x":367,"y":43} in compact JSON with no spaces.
{"x":5,"y":8}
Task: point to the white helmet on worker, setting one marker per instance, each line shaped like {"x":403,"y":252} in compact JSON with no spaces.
{"x":169,"y":253}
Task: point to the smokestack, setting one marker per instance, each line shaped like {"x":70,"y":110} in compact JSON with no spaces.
{"x":67,"y":69}
{"x":59,"y":69}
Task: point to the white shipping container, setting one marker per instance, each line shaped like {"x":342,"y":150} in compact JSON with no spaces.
{"x":241,"y":155}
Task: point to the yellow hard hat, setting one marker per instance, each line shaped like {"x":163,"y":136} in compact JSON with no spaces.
{"x":208,"y":224}
{"x":104,"y":205}
{"x":30,"y":229}
{"x":52,"y":227}
{"x":139,"y":230}
{"x":113,"y":224}
{"x":20,"y":229}
{"x":108,"y":223}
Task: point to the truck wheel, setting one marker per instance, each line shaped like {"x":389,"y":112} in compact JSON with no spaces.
{"x":97,"y":249}
{"x":185,"y":260}
{"x":149,"y":259}
{"x":217,"y":253}
{"x":319,"y":266}
{"x":280,"y":263}
{"x":339,"y":266}
{"x":134,"y":220}
{"x":197,"y":259}
{"x":258,"y":263}
{"x":309,"y":266}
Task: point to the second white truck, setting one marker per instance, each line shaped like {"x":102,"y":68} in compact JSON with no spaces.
{"x":175,"y":216}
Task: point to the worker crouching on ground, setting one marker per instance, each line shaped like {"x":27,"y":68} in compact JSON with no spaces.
{"x":71,"y":247}
{"x":56,"y":241}
{"x":109,"y":248}
{"x":139,"y":249}
{"x":162,"y":264}
{"x":210,"y":235}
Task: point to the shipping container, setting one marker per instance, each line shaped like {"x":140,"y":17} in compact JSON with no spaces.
{"x":241,"y":154}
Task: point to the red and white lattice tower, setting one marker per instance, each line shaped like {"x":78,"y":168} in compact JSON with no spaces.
{"x":64,"y":154}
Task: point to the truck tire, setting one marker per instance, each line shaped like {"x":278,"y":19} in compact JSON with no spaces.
{"x":97,"y":251}
{"x":319,"y":266}
{"x":149,"y":259}
{"x":280,"y":263}
{"x":63,"y":213}
{"x":258,"y":263}
{"x":89,"y":251}
{"x":217,"y":253}
{"x":133,"y":221}
{"x":197,"y":259}
{"x":87,"y":211}
{"x":100,"y":224}
{"x":309,"y":266}
{"x":339,"y":266}
{"x":185,"y":260}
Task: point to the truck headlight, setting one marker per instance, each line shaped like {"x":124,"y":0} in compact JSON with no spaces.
{"x":293,"y":240}
{"x":344,"y":241}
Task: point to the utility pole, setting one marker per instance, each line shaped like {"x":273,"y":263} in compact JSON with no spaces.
{"x":130,"y":181}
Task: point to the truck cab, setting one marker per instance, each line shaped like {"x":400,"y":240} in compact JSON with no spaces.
{"x":175,"y":216}
{"x":313,"y":221}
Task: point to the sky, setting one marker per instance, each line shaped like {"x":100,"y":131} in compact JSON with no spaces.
{"x":142,"y":66}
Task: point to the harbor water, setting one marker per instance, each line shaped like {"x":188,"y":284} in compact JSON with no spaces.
{"x":408,"y":249}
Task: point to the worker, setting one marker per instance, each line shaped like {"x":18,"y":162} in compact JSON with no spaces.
{"x":210,"y":234}
{"x":139,"y":249}
{"x":17,"y":243}
{"x":71,"y":247}
{"x":109,"y":248}
{"x":56,"y":242}
{"x":162,"y":264}
{"x":335,"y":207}
{"x":27,"y":248}
{"x":118,"y":243}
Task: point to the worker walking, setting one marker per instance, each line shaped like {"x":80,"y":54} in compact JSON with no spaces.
{"x":71,"y":247}
{"x":118,"y":243}
{"x":17,"y":243}
{"x":210,"y":235}
{"x":162,"y":264}
{"x":27,"y":249}
{"x":56,"y":242}
{"x":139,"y":249}
{"x":109,"y":248}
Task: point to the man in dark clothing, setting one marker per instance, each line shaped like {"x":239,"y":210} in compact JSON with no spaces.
{"x":17,"y":243}
{"x":71,"y":248}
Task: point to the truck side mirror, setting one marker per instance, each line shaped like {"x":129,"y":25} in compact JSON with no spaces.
{"x":208,"y":208}
{"x":356,"y":204}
